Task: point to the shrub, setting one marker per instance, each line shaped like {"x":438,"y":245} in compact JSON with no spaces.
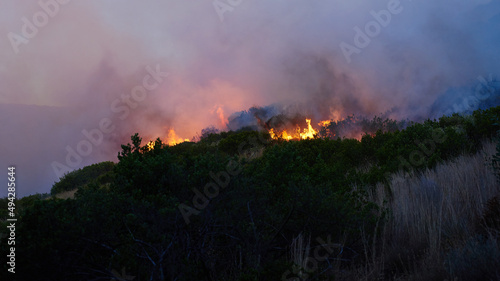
{"x":100,"y":173}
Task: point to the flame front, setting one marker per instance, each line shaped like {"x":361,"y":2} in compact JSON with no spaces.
{"x":283,"y":135}
{"x":308,"y":132}
{"x":171,"y":140}
{"x":325,"y":123}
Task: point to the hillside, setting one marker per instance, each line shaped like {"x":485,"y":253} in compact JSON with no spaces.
{"x":420,"y":203}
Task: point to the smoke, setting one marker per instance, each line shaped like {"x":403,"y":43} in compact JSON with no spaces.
{"x":281,"y":57}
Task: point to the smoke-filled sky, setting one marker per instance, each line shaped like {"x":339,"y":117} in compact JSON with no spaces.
{"x":70,"y":67}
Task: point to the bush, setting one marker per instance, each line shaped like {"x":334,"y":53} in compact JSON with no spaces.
{"x":243,"y":231}
{"x":100,"y":173}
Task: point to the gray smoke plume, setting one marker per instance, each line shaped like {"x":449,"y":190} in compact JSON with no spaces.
{"x":69,"y":65}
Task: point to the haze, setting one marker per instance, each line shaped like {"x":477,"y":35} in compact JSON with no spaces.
{"x":90,"y":54}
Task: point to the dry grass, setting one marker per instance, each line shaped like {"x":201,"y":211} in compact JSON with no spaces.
{"x":433,"y":217}
{"x":300,"y":250}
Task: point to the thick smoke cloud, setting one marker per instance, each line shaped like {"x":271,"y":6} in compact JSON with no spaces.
{"x":278,"y":55}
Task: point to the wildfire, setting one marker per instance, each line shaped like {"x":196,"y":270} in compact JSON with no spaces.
{"x":220,"y":114}
{"x":283,"y":134}
{"x":308,"y":132}
{"x":171,"y":140}
{"x":325,"y":123}
{"x":150,"y":145}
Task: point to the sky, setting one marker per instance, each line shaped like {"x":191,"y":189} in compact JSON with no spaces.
{"x":78,"y":78}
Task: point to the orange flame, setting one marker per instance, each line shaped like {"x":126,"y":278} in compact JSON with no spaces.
{"x":283,"y":134}
{"x":150,"y":145}
{"x":325,"y":123}
{"x":272,"y":134}
{"x":286,"y":136}
{"x":308,"y":132}
{"x":220,"y":114}
{"x":173,"y":138}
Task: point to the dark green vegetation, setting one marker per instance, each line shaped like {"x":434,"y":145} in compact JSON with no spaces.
{"x":127,"y":215}
{"x":100,"y":174}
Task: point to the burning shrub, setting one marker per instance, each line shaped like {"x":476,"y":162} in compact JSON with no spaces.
{"x":245,"y":231}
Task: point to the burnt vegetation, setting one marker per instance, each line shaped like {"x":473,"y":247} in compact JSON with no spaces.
{"x":283,"y":196}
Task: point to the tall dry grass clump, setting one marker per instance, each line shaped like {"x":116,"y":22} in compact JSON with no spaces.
{"x":432,"y":228}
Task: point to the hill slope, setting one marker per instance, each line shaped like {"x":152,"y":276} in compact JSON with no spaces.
{"x":242,"y":206}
